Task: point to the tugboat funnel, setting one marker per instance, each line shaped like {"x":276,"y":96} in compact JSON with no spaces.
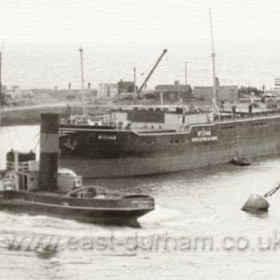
{"x":49,"y":147}
{"x":255,"y":203}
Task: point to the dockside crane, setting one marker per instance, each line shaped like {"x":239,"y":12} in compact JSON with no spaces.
{"x":151,"y":72}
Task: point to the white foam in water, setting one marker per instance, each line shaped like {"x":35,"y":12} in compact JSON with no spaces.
{"x":160,"y":214}
{"x":165,"y":217}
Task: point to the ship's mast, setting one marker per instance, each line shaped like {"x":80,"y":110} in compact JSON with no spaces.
{"x":186,"y":72}
{"x":135,"y":81}
{"x":1,"y":86}
{"x":1,"y":95}
{"x":213,"y":55}
{"x":82,"y":80}
{"x":82,"y":68}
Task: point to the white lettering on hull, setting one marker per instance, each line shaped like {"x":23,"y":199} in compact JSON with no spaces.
{"x":202,"y":133}
{"x":204,"y":139}
{"x":107,"y":137}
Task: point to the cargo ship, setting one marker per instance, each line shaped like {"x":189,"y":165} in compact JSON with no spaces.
{"x":155,"y":140}
{"x":146,"y":140}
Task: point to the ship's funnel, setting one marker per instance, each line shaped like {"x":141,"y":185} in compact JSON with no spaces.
{"x":49,"y":148}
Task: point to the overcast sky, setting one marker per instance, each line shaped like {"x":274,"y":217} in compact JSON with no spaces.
{"x":42,"y":36}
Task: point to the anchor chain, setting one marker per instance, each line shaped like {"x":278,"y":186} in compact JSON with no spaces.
{"x":272,"y":191}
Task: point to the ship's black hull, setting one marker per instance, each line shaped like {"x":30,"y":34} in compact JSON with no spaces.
{"x":114,"y":153}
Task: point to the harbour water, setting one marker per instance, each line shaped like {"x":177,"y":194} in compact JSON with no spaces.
{"x":192,"y":206}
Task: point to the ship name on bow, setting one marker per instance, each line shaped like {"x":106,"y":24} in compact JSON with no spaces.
{"x":104,"y":137}
{"x":204,"y":136}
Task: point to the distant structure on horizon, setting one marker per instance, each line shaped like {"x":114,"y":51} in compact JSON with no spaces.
{"x":111,"y":90}
{"x":125,"y":87}
{"x":175,"y":92}
{"x":169,"y":93}
{"x":107,"y":90}
{"x":225,"y":93}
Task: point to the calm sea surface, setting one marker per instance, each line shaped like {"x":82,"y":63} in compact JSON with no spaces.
{"x":192,"y":207}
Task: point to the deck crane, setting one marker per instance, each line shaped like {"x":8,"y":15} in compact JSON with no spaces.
{"x":151,"y":72}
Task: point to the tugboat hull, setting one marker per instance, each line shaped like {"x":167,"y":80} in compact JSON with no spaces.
{"x":65,"y":208}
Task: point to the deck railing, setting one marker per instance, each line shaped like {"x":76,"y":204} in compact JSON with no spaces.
{"x":246,"y":116}
{"x":20,"y":166}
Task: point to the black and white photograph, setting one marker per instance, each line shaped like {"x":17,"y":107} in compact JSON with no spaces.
{"x":139,"y":139}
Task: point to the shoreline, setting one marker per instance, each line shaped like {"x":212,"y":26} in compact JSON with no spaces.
{"x":30,"y":115}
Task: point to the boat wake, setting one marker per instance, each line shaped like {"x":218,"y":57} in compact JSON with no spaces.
{"x":166,"y":218}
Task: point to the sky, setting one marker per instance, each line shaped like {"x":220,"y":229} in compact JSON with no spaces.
{"x":41,"y":40}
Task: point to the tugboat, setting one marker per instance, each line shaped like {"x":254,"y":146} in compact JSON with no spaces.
{"x":45,"y":190}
